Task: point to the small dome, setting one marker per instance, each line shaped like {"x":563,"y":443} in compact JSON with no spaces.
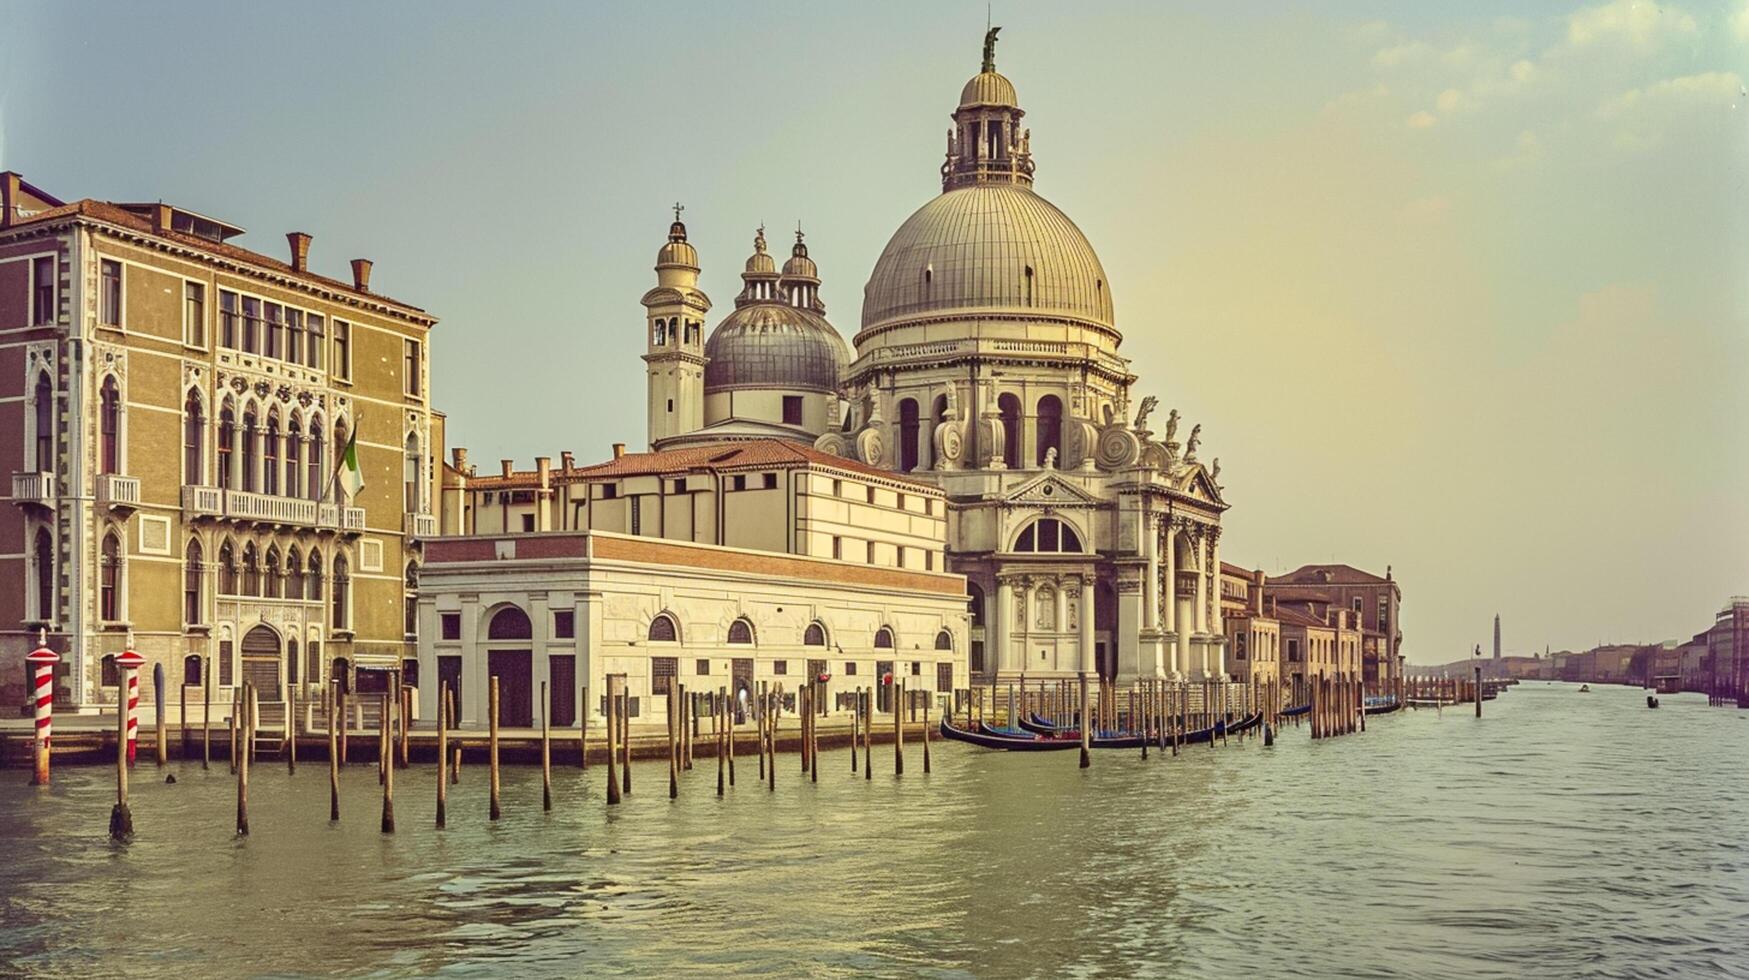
{"x":989,"y":88}
{"x":772,"y":345}
{"x":760,"y":263}
{"x":799,"y":265}
{"x":677,"y":251}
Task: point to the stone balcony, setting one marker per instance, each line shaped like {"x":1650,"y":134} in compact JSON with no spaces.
{"x":270,"y":510}
{"x":33,"y":489}
{"x":117,"y":492}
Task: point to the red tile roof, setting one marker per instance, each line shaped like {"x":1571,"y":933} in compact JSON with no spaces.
{"x":1339,"y":575}
{"x":112,"y":214}
{"x":725,"y":456}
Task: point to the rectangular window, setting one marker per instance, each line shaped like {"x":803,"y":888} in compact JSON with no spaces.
{"x":43,"y":278}
{"x":900,"y":502}
{"x":251,"y":325}
{"x":916,"y":668}
{"x":929,"y":561}
{"x":274,"y":330}
{"x":900,"y":561}
{"x":294,"y":336}
{"x":410,"y":367}
{"x":837,"y":547}
{"x":871,"y":495}
{"x":225,"y":663}
{"x":565,"y":624}
{"x":701,"y":667}
{"x":871,"y":552}
{"x":780,"y":667}
{"x":663,"y":670}
{"x":228,"y":318}
{"x":109,"y":293}
{"x":837,"y":488}
{"x":1293,"y":651}
{"x":792,"y":410}
{"x":609,"y":491}
{"x":679,"y":486}
{"x":194,"y":314}
{"x":528,"y":522}
{"x":317,"y":340}
{"x":850,"y":668}
{"x":738,"y":483}
{"x":343,"y":350}
{"x":450,"y":625}
{"x":770,"y":481}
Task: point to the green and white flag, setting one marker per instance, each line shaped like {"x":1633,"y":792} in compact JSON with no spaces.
{"x":348,"y":474}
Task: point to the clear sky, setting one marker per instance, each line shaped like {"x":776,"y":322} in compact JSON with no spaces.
{"x":1457,"y":288}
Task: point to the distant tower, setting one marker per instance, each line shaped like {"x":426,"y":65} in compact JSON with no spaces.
{"x":674,"y":315}
{"x":1496,"y":636}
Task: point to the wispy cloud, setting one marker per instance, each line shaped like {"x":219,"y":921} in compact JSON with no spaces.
{"x":1635,"y":24}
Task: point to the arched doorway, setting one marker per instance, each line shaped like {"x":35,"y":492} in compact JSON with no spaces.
{"x":510,"y":658}
{"x":261,"y":656}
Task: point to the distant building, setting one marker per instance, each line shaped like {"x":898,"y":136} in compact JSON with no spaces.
{"x":1254,"y":634}
{"x":1496,"y":636}
{"x":1373,"y":602}
{"x":1728,"y":646}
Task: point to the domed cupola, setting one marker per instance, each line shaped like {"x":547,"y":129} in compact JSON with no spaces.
{"x":986,"y":143}
{"x":759,"y":276}
{"x":677,"y":252}
{"x":801,"y":278}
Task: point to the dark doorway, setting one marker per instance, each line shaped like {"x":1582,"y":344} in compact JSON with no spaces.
{"x":449,"y":671}
{"x":908,"y":435}
{"x":563,"y":669}
{"x":261,"y":661}
{"x":741,"y":682}
{"x":515,"y":672}
{"x":884,"y":681}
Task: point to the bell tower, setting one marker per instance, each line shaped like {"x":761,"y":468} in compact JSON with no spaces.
{"x":674,"y":317}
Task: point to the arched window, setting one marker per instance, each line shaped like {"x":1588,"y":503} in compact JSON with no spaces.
{"x":294,"y":574}
{"x":227,"y":442}
{"x":193,"y":441}
{"x":294,"y":456}
{"x":884,"y":638}
{"x":663,"y":630}
{"x":45,"y":576}
{"x":45,"y":424}
{"x":410,"y":600}
{"x":270,"y":455}
{"x":814,"y":635}
{"x":227,"y":570}
{"x":191,"y":670}
{"x":342,"y":593}
{"x":313,"y":583}
{"x":410,"y":476}
{"x":109,"y":593}
{"x":1009,"y":406}
{"x":251,"y":570}
{"x":944,"y":640}
{"x":907,"y":435}
{"x":740,"y":631}
{"x":270,"y":580}
{"x":251,"y":446}
{"x":1048,"y":535}
{"x":315,"y":476}
{"x":510,"y":623}
{"x":1050,"y":428}
{"x":109,"y":674}
{"x":975,"y":599}
{"x":192,"y":607}
{"x":109,"y":420}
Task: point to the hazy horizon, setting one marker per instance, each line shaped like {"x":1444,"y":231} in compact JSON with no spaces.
{"x":1455,"y":291}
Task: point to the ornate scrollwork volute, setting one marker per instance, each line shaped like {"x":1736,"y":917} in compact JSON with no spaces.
{"x":1080,"y":445}
{"x":1119,"y":448}
{"x":950,"y":439}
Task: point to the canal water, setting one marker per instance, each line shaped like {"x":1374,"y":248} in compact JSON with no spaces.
{"x":1563,"y":835}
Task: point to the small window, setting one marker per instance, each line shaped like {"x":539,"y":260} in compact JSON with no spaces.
{"x":884,"y":638}
{"x":451,"y":625}
{"x":850,"y":668}
{"x":944,"y":640}
{"x":565,"y":624}
{"x":769,"y":480}
{"x":814,"y":635}
{"x":792,"y":410}
{"x":678,"y":486}
{"x":837,"y":547}
{"x":701,"y":667}
{"x":410,"y":368}
{"x":663,"y":670}
{"x":110,"y":673}
{"x":871,"y":552}
{"x":343,"y":350}
{"x":900,"y":560}
{"x":44,"y":280}
{"x":251,"y":324}
{"x":740,"y":631}
{"x":837,"y":488}
{"x":109,"y":294}
{"x":916,"y":668}
{"x":274,"y":332}
{"x":780,"y":667}
{"x":871,"y":495}
{"x":929,"y":561}
{"x":528,"y":522}
{"x":899,"y":501}
{"x":663,"y":630}
{"x":609,"y":491}
{"x":738,"y":483}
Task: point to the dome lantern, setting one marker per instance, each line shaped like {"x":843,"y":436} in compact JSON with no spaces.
{"x":987,"y":143}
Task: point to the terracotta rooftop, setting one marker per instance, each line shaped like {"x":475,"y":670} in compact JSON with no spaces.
{"x":1339,"y":575}
{"x":1228,"y":568}
{"x":1289,"y":616}
{"x":113,"y":214}
{"x":725,"y":456}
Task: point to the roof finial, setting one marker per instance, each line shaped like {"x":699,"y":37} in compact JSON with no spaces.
{"x":678,"y":207}
{"x":798,"y":230}
{"x":990,"y":49}
{"x":759,"y":239}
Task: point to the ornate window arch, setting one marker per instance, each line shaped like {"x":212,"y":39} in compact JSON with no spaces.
{"x":112,"y":587}
{"x":313,"y":582}
{"x":270,"y":453}
{"x":315,"y":473}
{"x":944,"y":640}
{"x":663,"y":629}
{"x":251,"y":570}
{"x":1048,"y":535}
{"x":42,"y":417}
{"x":741,"y":632}
{"x":43,"y":556}
{"x":251,"y":438}
{"x":342,"y":593}
{"x":294,"y":455}
{"x":227,"y":444}
{"x":193,"y":579}
{"x":884,"y":638}
{"x":193,"y":439}
{"x":109,"y":418}
{"x":814,"y":635}
{"x":509,"y":622}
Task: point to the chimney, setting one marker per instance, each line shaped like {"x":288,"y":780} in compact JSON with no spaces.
{"x":361,"y":275}
{"x":1257,"y":579}
{"x":619,"y":450}
{"x":566,"y":460}
{"x":505,"y":465}
{"x":459,"y":458}
{"x":543,"y":499}
{"x":543,"y":468}
{"x":300,"y":252}
{"x":9,"y":192}
{"x":161,"y":217}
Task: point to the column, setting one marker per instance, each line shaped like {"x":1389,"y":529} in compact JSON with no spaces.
{"x":586,"y":630}
{"x":1087,"y":588}
{"x":1002,"y":624}
{"x":1170,"y":538}
{"x":428,"y":631}
{"x":473,"y":693}
{"x":1151,"y":588}
{"x":1219,"y":653}
{"x":1062,"y":610}
{"x":542,"y":623}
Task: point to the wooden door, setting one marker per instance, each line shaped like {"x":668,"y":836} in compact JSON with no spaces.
{"x":563,"y":689}
{"x":515,"y":672}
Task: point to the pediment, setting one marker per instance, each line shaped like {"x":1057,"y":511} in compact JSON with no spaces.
{"x":1196,"y":485}
{"x":1049,"y":489}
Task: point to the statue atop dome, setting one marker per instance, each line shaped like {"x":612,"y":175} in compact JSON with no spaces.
{"x":990,"y":49}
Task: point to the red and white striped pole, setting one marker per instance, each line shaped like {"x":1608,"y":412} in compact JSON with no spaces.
{"x":44,"y":660}
{"x":131,"y":662}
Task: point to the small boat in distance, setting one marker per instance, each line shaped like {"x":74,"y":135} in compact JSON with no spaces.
{"x":1585,"y":689}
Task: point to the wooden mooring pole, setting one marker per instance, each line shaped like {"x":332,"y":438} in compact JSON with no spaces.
{"x":612,"y":737}
{"x":546,"y":750}
{"x":442,"y":754}
{"x":492,"y":745}
{"x":333,"y":697}
{"x":386,"y":723}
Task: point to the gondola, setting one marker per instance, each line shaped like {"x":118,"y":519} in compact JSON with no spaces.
{"x":1007,"y":743}
{"x":1296,"y":710}
{"x":1382,"y":706}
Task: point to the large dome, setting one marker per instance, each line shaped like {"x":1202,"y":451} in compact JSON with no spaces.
{"x":987,"y":247}
{"x":773,"y":345}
